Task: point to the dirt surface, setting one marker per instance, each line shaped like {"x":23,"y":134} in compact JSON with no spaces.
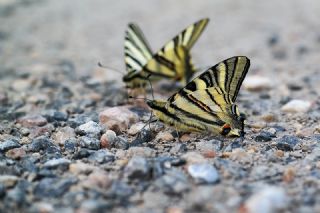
{"x":68,"y":138}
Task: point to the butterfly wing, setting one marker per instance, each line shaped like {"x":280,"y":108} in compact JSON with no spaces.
{"x":136,"y":49}
{"x":173,"y":61}
{"x":226,"y":77}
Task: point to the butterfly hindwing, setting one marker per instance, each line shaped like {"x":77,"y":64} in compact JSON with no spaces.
{"x":137,"y":50}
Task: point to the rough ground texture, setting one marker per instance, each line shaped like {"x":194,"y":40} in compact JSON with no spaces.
{"x":63,"y":148}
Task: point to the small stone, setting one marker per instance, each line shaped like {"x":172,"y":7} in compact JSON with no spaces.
{"x":94,"y":205}
{"x":108,"y":139}
{"x":136,"y":128}
{"x":119,"y":190}
{"x":174,"y":209}
{"x":81,"y":168}
{"x":90,"y":128}
{"x":32,"y":121}
{"x":203,"y":173}
{"x":89,"y":143}
{"x":164,"y":137}
{"x":98,"y":180}
{"x":296,"y":106}
{"x":267,"y":200}
{"x":137,"y":168}
{"x":257,"y":83}
{"x":174,"y":182}
{"x":82,"y":153}
{"x":179,"y":148}
{"x":53,"y":115}
{"x":41,"y":131}
{"x":63,"y":134}
{"x":193,"y":158}
{"x":57,"y":163}
{"x":140,"y":151}
{"x":269,"y":117}
{"x":118,"y":118}
{"x":211,"y":145}
{"x":21,"y":85}
{"x":45,"y":144}
{"x":53,"y":187}
{"x":289,"y":175}
{"x":70,"y":145}
{"x":144,"y":136}
{"x":16,"y":153}
{"x":287,"y":142}
{"x":264,"y":136}
{"x":9,"y":144}
{"x":102,"y":156}
{"x":8,"y":180}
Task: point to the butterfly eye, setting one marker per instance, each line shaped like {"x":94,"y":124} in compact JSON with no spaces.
{"x":225,"y":129}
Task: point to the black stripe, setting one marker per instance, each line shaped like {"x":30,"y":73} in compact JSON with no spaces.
{"x":244,"y":72}
{"x":172,"y":116}
{"x":164,"y":61}
{"x":212,"y":98}
{"x":134,"y":59}
{"x":232,"y":75}
{"x":186,"y":96}
{"x":196,"y":117}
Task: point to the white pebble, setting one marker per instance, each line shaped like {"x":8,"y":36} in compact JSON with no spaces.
{"x":296,"y":106}
{"x":203,"y":173}
{"x":269,"y":199}
{"x":256,"y":83}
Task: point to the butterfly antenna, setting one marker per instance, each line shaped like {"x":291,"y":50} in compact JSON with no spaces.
{"x":110,"y":68}
{"x":148,"y":78}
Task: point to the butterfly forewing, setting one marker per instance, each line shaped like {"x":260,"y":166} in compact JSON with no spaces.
{"x":137,"y":50}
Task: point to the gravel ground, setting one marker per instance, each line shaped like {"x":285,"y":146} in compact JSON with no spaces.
{"x":70,"y":142}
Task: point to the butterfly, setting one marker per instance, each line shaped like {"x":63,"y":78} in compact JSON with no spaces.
{"x":207,"y":103}
{"x":172,"y":61}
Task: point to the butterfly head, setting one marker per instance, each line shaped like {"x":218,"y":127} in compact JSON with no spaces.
{"x":234,"y":125}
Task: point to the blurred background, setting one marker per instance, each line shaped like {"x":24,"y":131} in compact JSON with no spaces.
{"x":276,"y":35}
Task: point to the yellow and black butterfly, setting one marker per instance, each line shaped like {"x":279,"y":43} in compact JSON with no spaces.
{"x":173,"y":61}
{"x":207,"y":103}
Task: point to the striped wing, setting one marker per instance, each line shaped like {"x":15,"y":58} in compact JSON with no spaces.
{"x":225,"y":77}
{"x":136,"y":49}
{"x":173,"y":60}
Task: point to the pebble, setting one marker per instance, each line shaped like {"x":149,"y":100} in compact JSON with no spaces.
{"x":296,"y":106}
{"x":137,"y":168}
{"x":267,"y":200}
{"x":174,"y":182}
{"x":203,"y":173}
{"x":9,"y":144}
{"x":94,"y":205}
{"x":8,"y":180}
{"x":45,"y":144}
{"x":89,"y":143}
{"x":32,"y":121}
{"x":90,"y":128}
{"x":81,"y":168}
{"x":118,"y":119}
{"x":179,"y":148}
{"x":264,"y":136}
{"x":108,"y":139}
{"x":53,"y":187}
{"x":57,"y":163}
{"x":70,"y":145}
{"x":45,"y":130}
{"x":136,"y":128}
{"x":53,"y":115}
{"x":164,"y":137}
{"x":269,"y":117}
{"x":16,"y":153}
{"x":142,"y":137}
{"x":101,"y":156}
{"x":63,"y":134}
{"x":140,"y":151}
{"x":287,"y":142}
{"x":98,"y":180}
{"x":193,"y":158}
{"x":257,"y":83}
{"x":82,"y":153}
{"x":211,"y":145}
{"x":119,"y":190}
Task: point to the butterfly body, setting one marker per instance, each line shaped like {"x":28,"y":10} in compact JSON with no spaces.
{"x":173,"y":61}
{"x":206,"y":104}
